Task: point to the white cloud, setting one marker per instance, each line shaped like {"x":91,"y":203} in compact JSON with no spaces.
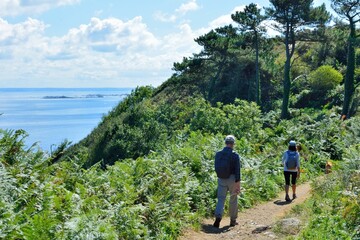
{"x":21,"y":41}
{"x":180,"y":44}
{"x":181,"y":11}
{"x":102,"y":53}
{"x":270,"y":28}
{"x":164,"y":17}
{"x":187,"y":7}
{"x":114,"y":35}
{"x":17,"y":7}
{"x":221,"y":21}
{"x":226,"y":20}
{"x":12,"y":34}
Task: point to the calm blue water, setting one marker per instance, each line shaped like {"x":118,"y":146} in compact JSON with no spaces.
{"x":51,"y":115}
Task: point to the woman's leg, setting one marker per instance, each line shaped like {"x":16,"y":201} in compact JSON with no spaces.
{"x":293,"y":183}
{"x":287,"y":184}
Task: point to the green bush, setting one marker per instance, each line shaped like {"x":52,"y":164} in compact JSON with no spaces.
{"x":324,"y":79}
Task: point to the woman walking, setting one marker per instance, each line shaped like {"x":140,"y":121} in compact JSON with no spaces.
{"x":291,"y":162}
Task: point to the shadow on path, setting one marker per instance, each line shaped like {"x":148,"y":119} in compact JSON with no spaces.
{"x":210,"y":229}
{"x":282,"y":203}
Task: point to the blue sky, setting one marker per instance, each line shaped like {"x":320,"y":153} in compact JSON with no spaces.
{"x":103,"y":43}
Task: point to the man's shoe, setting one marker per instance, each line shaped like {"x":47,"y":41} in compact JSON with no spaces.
{"x":294,"y":196}
{"x":233,"y":223}
{"x":217,"y":222}
{"x":287,"y":198}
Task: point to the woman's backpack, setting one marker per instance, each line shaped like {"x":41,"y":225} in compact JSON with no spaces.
{"x":291,"y":160}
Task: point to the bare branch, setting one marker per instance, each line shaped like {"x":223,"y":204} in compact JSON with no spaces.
{"x":300,"y":76}
{"x":293,"y":61}
{"x":357,"y":85}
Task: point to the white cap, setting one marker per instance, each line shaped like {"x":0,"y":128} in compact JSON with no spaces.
{"x":230,"y":139}
{"x":292,"y":143}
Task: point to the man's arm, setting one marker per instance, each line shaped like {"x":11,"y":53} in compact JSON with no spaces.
{"x":237,"y":174}
{"x":237,"y":168}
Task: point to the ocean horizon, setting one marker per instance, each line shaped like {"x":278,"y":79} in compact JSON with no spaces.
{"x":51,"y":115}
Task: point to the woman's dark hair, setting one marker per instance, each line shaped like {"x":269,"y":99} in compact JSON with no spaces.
{"x":292,"y":148}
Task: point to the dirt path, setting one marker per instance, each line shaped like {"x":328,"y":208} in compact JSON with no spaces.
{"x":254,"y":223}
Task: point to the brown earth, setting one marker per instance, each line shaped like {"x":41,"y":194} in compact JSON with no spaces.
{"x":254,"y":223}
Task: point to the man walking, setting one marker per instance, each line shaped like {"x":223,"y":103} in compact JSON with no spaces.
{"x":227,"y":167}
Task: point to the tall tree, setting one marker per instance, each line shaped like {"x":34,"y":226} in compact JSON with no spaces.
{"x":250,"y":20}
{"x":349,"y":10}
{"x":216,"y":44}
{"x":291,"y":16}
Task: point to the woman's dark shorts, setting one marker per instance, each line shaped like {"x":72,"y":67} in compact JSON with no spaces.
{"x":287,"y":177}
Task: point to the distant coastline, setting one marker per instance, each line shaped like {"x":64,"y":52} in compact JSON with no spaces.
{"x":86,"y":96}
{"x":50,"y":115}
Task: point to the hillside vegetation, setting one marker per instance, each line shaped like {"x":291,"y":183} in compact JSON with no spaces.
{"x":155,"y":196}
{"x":146,"y":172}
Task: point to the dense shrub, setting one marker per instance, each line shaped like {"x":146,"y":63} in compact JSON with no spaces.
{"x":324,"y":79}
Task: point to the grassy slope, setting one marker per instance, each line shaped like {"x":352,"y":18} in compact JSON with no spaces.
{"x":155,"y":196}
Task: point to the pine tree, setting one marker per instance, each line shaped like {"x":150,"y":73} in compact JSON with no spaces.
{"x":349,"y":10}
{"x":250,"y":20}
{"x":291,"y":16}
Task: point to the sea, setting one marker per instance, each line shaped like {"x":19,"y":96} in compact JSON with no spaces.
{"x":51,"y":115}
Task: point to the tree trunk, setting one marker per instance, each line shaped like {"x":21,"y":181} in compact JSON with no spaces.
{"x":350,"y":72}
{"x":257,"y":71}
{"x":287,"y":84}
{"x":213,"y":82}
